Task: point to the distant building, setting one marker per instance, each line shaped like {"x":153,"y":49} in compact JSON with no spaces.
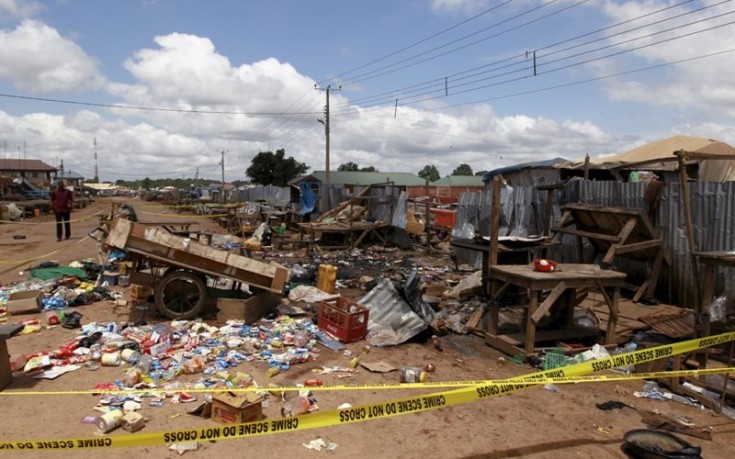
{"x":71,"y":178}
{"x":448,"y":189}
{"x":33,"y":171}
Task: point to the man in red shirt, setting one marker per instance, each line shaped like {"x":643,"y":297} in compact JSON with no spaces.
{"x":62,"y":199}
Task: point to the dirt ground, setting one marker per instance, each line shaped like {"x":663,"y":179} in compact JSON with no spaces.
{"x":533,"y":423}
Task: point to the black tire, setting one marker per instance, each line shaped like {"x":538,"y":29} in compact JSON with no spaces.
{"x":180,"y":294}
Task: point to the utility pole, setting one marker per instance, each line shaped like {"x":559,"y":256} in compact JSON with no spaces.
{"x":222,"y":163}
{"x":96,"y":171}
{"x":325,"y":122}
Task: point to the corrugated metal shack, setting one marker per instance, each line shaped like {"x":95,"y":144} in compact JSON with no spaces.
{"x":712,"y":204}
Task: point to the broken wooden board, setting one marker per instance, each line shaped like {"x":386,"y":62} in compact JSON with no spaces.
{"x":159,"y":244}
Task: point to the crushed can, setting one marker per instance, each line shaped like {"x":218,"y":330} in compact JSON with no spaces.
{"x":412,"y":375}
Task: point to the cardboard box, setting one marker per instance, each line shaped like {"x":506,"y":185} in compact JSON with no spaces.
{"x":140,"y":292}
{"x":24,"y":302}
{"x":230,"y":407}
{"x":230,"y":309}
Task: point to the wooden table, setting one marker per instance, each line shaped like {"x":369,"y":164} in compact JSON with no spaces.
{"x":508,"y":253}
{"x":616,"y":232}
{"x":350,"y":229}
{"x":6,"y":331}
{"x":565,"y":277}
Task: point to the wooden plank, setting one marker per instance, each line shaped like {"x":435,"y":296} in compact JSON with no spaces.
{"x":495,"y":222}
{"x":592,"y":208}
{"x":530,"y":325}
{"x":612,"y":322}
{"x":623,"y":235}
{"x":501,"y":343}
{"x":587,"y":234}
{"x":627,"y":248}
{"x":552,"y":335}
{"x":549,"y":302}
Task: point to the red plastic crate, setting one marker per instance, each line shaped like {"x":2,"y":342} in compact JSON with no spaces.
{"x":444,"y":217}
{"x":343,"y":318}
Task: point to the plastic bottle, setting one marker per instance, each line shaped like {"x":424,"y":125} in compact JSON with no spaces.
{"x":301,"y":338}
{"x":132,"y":377}
{"x":95,"y":351}
{"x":111,"y":359}
{"x":412,"y":375}
{"x":130,"y":356}
{"x":144,"y":363}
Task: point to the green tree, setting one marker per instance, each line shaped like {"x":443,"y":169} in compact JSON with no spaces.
{"x":480,"y":172}
{"x":353,"y":167}
{"x":348,"y":167}
{"x":268,"y":168}
{"x":429,"y":172}
{"x":463,"y":169}
{"x":146,"y":183}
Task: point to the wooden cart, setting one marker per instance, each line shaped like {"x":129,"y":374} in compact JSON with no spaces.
{"x":180,"y":287}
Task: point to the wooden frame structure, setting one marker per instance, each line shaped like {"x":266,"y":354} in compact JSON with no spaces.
{"x":564,"y":280}
{"x":616,"y":231}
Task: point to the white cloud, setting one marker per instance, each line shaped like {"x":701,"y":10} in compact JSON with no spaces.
{"x":36,"y":58}
{"x":707,"y":83}
{"x":186,"y":72}
{"x":463,"y":6}
{"x":19,"y":8}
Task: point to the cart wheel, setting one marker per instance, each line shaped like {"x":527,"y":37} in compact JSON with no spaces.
{"x":180,"y":294}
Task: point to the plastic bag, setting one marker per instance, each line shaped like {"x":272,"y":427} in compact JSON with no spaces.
{"x":717,"y":310}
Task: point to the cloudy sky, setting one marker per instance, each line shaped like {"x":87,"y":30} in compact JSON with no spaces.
{"x":164,"y":86}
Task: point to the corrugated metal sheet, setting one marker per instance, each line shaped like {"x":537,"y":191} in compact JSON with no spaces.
{"x":273,"y":195}
{"x":713,"y":216}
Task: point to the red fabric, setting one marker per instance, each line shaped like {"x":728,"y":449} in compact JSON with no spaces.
{"x":62,"y":200}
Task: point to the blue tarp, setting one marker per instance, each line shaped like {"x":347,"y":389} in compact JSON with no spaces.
{"x":307,"y":203}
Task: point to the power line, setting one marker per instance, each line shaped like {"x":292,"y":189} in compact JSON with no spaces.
{"x":439,"y":82}
{"x":432,"y":94}
{"x":153,"y":109}
{"x":419,"y":42}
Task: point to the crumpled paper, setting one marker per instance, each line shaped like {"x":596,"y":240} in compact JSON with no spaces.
{"x":319,"y":443}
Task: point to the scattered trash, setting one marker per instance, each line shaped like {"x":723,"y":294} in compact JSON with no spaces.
{"x":652,"y":390}
{"x":644,"y":443}
{"x":318,"y":444}
{"x":551,"y":387}
{"x":611,"y":405}
{"x":378,"y":367}
{"x":183,"y":448}
{"x":412,"y":375}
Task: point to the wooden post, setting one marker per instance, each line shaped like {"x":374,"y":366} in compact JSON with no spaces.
{"x":586,"y":167}
{"x":495,"y":221}
{"x":692,"y":245}
{"x":492,"y":255}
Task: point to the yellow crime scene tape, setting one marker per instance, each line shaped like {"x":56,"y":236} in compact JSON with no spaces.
{"x":533,"y":380}
{"x":391,"y":408}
